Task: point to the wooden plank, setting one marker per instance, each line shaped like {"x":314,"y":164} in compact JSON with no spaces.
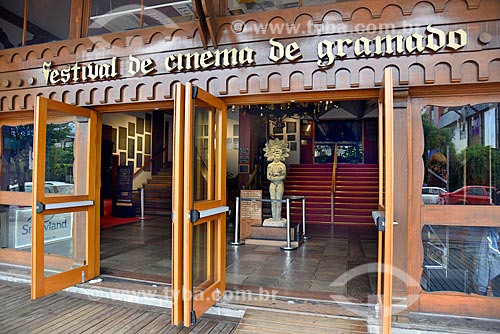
{"x":153,"y":326}
{"x":300,"y":319}
{"x":139,"y":323}
{"x":115,"y":321}
{"x":272,"y":322}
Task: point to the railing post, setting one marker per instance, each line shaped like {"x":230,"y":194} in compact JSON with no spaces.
{"x":142,"y":204}
{"x":304,"y":219}
{"x":237,"y":241}
{"x":288,"y":246}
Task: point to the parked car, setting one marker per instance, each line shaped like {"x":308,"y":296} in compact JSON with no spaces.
{"x":469,"y":195}
{"x":51,"y":187}
{"x":430,"y":195}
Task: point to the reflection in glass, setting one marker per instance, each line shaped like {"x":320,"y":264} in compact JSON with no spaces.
{"x":66,"y":158}
{"x":65,"y":241}
{"x":461,"y":258}
{"x":204,"y":154}
{"x":47,"y":21}
{"x":107,"y":17}
{"x":462,"y":154}
{"x":203,"y":255}
{"x":17,"y":157}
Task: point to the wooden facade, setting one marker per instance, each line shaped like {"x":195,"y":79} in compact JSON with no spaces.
{"x":468,"y":75}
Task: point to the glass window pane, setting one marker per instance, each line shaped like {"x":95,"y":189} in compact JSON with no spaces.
{"x":204,"y":154}
{"x":160,"y":12}
{"x":64,"y":241}
{"x":66,"y":155}
{"x":11,"y":24}
{"x":48,"y":20}
{"x":320,"y":2}
{"x":238,"y":7}
{"x":461,"y":258}
{"x":462,"y":154}
{"x":204,"y":255}
{"x":17,"y":157}
{"x":108,"y":16}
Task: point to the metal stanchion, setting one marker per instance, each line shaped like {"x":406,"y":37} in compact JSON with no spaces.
{"x":142,"y":204}
{"x":304,"y":219}
{"x":237,"y":241}
{"x":288,"y":246}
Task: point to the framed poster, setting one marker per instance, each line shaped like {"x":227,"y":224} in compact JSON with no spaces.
{"x":139,"y":125}
{"x":114,"y":139}
{"x":138,"y":160}
{"x":122,"y":138}
{"x":123,"y":159}
{"x":131,"y":148}
{"x":148,"y":123}
{"x":139,"y":144}
{"x":147,"y":144}
{"x":244,"y":169}
{"x":131,"y":129}
{"x":291,"y":127}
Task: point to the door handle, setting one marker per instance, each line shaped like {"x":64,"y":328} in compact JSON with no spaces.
{"x":41,"y":207}
{"x":195,"y":215}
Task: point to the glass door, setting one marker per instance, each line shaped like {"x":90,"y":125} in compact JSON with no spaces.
{"x":386,"y":202}
{"x":199,"y":207}
{"x":65,"y":196}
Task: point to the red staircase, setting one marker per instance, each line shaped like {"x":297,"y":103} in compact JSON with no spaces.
{"x":314,"y":181}
{"x":355,"y":198}
{"x":356,"y":194}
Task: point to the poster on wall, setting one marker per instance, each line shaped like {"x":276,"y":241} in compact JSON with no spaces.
{"x":140,"y":125}
{"x":122,"y":138}
{"x":131,"y":129}
{"x":57,"y":227}
{"x":131,"y":148}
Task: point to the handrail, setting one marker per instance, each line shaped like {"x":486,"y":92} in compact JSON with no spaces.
{"x":146,"y":164}
{"x":252,"y":176}
{"x":334,"y":169}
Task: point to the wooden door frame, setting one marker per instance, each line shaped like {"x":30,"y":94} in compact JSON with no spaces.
{"x":42,"y":285}
{"x":456,"y":303}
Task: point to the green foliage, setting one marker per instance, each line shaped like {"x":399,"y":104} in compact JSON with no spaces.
{"x":18,"y":145}
{"x":475,"y":159}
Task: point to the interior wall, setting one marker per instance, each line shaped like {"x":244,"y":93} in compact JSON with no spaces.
{"x":124,"y":138}
{"x":232,"y":143}
{"x":291,"y":135}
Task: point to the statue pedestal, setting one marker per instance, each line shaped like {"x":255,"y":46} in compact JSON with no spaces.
{"x":274,"y":235}
{"x":274,"y":222}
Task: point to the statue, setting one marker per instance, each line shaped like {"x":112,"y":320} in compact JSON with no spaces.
{"x":276,"y":152}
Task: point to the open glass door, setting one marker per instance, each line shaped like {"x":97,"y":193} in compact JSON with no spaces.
{"x":199,"y":207}
{"x":386,"y":202}
{"x":65,"y":196}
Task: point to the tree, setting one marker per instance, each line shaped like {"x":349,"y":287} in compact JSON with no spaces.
{"x":18,"y":151}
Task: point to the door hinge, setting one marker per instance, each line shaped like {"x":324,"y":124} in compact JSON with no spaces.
{"x":193,"y":317}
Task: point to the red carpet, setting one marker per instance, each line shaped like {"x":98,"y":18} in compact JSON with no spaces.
{"x":108,"y":220}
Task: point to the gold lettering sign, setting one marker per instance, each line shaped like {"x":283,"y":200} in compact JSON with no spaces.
{"x":434,"y":40}
{"x":327,"y":52}
{"x":79,"y":73}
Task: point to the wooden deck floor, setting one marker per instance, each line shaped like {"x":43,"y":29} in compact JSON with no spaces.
{"x":273,"y":322}
{"x":67,"y":313}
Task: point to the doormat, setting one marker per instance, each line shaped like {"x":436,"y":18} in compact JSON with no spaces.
{"x":108,"y":220}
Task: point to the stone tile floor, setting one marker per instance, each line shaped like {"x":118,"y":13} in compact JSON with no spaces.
{"x":143,"y":250}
